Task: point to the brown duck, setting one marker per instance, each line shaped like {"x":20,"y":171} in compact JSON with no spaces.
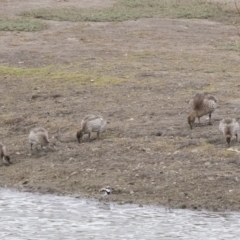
{"x":202,"y":104}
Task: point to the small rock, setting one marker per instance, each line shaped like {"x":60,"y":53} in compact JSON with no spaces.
{"x":131,"y":183}
{"x":34,"y":96}
{"x":207,"y":164}
{"x":25,"y":182}
{"x":131,"y":192}
{"x":194,"y":151}
{"x":159,"y":134}
{"x":72,"y":159}
{"x":73,"y":173}
{"x":95,"y":149}
{"x":176,"y":152}
{"x":18,"y":153}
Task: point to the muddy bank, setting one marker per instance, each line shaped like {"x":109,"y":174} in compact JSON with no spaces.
{"x":139,"y":75}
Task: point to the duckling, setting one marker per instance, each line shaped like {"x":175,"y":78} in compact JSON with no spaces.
{"x":91,"y":123}
{"x":229,"y":128}
{"x":39,"y":136}
{"x":4,"y":155}
{"x":202,"y":104}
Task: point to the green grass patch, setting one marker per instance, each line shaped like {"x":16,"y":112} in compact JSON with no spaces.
{"x":60,"y":76}
{"x":84,"y":79}
{"x":134,"y":9}
{"x":22,"y":72}
{"x":230,"y":46}
{"x":21,"y":24}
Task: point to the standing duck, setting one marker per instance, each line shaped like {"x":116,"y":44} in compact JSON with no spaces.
{"x":229,"y":128}
{"x":202,"y":104}
{"x":91,"y":123}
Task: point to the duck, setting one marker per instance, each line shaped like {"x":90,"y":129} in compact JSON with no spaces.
{"x":89,"y":124}
{"x":202,"y":104}
{"x":3,"y":154}
{"x":39,"y":136}
{"x":229,"y":128}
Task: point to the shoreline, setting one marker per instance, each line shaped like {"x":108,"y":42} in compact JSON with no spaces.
{"x":139,"y":75}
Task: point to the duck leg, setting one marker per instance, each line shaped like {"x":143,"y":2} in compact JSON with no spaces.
{"x":97,"y":135}
{"x":199,"y":122}
{"x":210,"y":115}
{"x":89,"y":137}
{"x":236,"y":137}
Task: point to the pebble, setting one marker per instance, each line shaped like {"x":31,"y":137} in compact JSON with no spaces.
{"x":24,"y":182}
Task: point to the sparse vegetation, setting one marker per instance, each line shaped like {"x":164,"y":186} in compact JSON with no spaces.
{"x":140,"y":76}
{"x":134,"y":9}
{"x":61,"y":76}
{"x":21,"y":24}
{"x":231,"y":46}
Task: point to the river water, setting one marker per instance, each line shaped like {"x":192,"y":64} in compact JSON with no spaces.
{"x":27,"y":216}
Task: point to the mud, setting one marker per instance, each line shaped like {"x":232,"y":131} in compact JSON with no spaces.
{"x":139,"y":75}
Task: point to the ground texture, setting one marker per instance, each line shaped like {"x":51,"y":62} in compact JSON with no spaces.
{"x":139,"y":75}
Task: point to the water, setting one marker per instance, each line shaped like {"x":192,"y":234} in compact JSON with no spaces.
{"x":26,"y":216}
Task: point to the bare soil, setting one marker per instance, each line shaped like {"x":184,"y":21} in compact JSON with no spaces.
{"x":147,"y":154}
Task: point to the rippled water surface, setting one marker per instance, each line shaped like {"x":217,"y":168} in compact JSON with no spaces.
{"x":34,"y":216}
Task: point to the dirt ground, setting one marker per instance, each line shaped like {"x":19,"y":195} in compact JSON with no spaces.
{"x":139,"y":75}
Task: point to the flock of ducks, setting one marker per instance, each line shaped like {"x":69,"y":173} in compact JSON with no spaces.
{"x":39,"y":136}
{"x":205,"y":104}
{"x":202,"y":104}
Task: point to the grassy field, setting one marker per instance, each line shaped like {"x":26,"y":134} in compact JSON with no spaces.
{"x":21,"y":24}
{"x":124,"y":10}
{"x":134,"y":9}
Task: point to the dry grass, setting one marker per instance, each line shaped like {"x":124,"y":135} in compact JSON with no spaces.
{"x":134,"y":9}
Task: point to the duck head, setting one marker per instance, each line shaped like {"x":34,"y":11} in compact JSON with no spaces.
{"x":79,"y":135}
